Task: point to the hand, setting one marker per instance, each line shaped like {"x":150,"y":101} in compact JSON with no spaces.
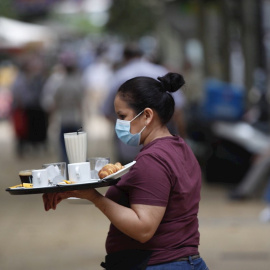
{"x":51,"y":200}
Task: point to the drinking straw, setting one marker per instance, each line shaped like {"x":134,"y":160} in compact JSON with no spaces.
{"x":79,"y":130}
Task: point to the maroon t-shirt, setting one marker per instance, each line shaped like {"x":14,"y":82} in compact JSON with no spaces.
{"x":166,"y":174}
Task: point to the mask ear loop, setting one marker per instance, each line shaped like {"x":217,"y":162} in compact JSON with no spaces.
{"x":137,"y":116}
{"x":142,"y":129}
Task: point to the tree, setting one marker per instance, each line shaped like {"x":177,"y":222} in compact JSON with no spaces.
{"x":7,"y":9}
{"x":132,"y":19}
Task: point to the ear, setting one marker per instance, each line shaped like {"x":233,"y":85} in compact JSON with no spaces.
{"x":148,"y":114}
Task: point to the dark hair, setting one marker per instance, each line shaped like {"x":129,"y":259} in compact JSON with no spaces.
{"x":145,"y":92}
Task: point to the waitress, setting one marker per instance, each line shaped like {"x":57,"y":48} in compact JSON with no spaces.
{"x":153,"y":209}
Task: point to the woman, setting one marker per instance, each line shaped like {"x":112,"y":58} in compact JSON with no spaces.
{"x":153,"y":209}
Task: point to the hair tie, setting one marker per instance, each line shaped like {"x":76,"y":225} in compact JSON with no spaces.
{"x":163,"y":87}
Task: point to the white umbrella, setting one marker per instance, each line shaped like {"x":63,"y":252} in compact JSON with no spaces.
{"x":16,"y":34}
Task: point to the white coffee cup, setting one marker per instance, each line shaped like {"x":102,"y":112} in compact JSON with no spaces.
{"x":76,"y":146}
{"x":40,"y":178}
{"x":79,"y":172}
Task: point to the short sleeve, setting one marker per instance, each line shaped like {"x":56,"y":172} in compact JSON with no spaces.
{"x":148,"y":182}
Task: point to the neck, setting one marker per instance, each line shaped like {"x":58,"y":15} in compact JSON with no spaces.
{"x":157,"y":133}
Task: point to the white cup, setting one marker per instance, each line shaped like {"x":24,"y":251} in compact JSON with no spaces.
{"x":79,"y":172}
{"x":96,"y":164}
{"x":40,"y":178}
{"x":76,"y":146}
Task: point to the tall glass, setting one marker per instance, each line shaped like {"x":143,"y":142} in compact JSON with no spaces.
{"x":76,"y":146}
{"x":96,"y":164}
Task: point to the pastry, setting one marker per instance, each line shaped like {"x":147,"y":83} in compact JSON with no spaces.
{"x":119,"y":165}
{"x":109,"y":169}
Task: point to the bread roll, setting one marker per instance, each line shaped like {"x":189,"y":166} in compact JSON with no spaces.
{"x":110,"y":169}
{"x":119,"y":165}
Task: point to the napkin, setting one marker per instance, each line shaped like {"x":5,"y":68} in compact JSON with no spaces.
{"x":54,"y":174}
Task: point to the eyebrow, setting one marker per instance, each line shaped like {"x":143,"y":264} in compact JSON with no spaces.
{"x":120,"y":112}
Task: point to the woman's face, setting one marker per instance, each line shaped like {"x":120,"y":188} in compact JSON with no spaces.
{"x":126,"y":113}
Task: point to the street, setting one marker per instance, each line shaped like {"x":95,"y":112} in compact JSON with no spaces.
{"x":73,"y":236}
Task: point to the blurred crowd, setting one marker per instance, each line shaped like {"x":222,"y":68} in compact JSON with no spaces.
{"x":60,"y":91}
{"x":66,"y":88}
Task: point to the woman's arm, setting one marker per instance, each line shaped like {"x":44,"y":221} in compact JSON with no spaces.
{"x":139,"y":222}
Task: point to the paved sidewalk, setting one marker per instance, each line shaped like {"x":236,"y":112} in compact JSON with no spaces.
{"x":72,"y":237}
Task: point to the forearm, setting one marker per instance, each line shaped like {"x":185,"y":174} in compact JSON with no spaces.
{"x":138,"y":222}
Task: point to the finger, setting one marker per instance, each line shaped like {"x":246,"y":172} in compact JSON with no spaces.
{"x":56,"y":199}
{"x":51,"y":200}
{"x":45,"y":201}
{"x":50,"y":197}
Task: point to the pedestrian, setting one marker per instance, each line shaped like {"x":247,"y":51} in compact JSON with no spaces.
{"x":63,"y":97}
{"x":29,"y":118}
{"x":256,"y":175}
{"x":153,"y":209}
{"x":96,"y":78}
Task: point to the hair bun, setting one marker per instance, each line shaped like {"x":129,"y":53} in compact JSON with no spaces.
{"x":171,"y":82}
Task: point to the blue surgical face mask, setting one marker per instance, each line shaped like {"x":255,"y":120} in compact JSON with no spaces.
{"x":122,"y":129}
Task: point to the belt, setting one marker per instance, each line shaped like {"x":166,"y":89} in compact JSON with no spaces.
{"x":193,"y":257}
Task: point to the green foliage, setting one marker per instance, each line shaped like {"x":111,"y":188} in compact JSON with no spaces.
{"x":132,"y":18}
{"x":78,"y":23}
{"x":7,"y":9}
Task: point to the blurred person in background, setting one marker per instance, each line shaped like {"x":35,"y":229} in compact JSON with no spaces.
{"x":96,"y":79}
{"x":29,"y":119}
{"x":63,"y":98}
{"x":254,"y":177}
{"x":135,"y":64}
{"x":7,"y":74}
{"x":254,"y":180}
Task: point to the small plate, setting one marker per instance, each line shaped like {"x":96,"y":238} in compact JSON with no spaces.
{"x":120,"y":172}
